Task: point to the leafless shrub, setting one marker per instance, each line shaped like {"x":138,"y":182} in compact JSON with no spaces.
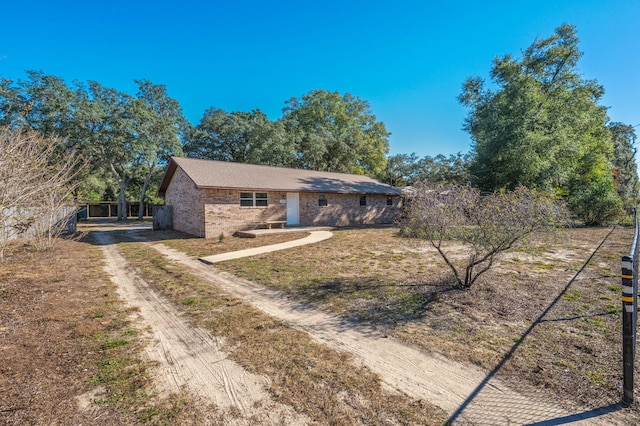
{"x":487,"y":224}
{"x":37,"y":181}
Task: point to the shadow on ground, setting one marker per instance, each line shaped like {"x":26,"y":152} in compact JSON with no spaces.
{"x":125,"y":231}
{"x":376,"y":303}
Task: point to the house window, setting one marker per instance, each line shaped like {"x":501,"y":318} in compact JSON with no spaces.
{"x":363,"y":200}
{"x":389,"y":200}
{"x":253,"y":199}
{"x":322,"y":200}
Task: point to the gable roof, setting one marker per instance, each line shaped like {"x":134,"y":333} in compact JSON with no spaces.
{"x":241,"y":176}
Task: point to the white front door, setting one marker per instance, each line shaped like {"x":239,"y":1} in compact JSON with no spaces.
{"x":293,"y":213}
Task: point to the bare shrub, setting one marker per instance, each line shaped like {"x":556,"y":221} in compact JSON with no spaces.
{"x":487,"y":224}
{"x":37,"y":181}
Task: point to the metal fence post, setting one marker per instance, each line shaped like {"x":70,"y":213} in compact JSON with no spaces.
{"x":628,"y":329}
{"x":629,"y":315}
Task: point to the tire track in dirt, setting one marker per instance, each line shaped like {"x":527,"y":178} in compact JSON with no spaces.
{"x":432,"y":378}
{"x":190,"y":359}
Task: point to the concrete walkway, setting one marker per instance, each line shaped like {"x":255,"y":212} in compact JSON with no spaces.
{"x":313,"y":237}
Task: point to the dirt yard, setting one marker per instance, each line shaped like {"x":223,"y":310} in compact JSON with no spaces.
{"x":348,"y":331}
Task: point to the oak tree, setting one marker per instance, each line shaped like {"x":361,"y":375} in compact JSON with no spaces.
{"x":539,"y":124}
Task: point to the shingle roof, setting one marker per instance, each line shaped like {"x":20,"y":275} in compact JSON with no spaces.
{"x":227,"y":175}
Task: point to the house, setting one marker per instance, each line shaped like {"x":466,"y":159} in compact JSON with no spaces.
{"x":209,"y":198}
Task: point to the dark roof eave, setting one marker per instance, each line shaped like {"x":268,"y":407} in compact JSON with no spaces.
{"x":166,"y":179}
{"x":325,"y":190}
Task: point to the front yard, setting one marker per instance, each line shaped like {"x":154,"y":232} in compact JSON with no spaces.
{"x":367,"y":276}
{"x":373,"y":276}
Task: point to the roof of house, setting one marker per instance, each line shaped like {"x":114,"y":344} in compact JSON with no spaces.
{"x":241,"y":176}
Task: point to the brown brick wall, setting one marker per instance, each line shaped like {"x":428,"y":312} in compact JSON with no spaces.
{"x":224,"y":214}
{"x":185,"y":198}
{"x":345,"y":210}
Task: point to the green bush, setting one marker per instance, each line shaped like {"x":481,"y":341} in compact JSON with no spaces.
{"x":597,"y":204}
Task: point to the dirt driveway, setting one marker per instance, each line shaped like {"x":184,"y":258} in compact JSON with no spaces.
{"x":192,"y":359}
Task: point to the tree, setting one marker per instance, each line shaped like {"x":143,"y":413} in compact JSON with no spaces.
{"x":406,"y":169}
{"x":336,"y":132}
{"x":401,"y":169}
{"x":597,"y":203}
{"x":36,"y":186}
{"x":541,"y":126}
{"x":106,"y":119}
{"x":441,"y":170}
{"x":159,"y":124}
{"x":11,"y":103}
{"x":487,"y":225}
{"x":121,"y":135}
{"x":242,"y":137}
{"x":45,"y":103}
{"x":624,"y":161}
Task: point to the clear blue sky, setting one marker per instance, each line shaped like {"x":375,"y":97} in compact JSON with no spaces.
{"x":407,"y":58}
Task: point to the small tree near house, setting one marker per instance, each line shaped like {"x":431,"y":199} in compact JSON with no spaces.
{"x":487,"y":225}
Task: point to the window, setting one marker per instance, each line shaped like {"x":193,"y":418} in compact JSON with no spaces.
{"x":363,"y":200}
{"x":253,"y":199}
{"x":389,"y":200}
{"x":322,"y":200}
{"x":261,"y":199}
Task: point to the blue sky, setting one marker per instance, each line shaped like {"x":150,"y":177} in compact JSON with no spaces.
{"x":407,"y":58}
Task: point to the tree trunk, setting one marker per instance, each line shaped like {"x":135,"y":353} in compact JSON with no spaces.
{"x":122,"y":200}
{"x":143,"y":193}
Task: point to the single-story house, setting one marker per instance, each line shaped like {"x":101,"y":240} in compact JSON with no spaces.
{"x":209,"y":198}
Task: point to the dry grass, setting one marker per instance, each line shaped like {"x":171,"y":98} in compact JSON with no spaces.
{"x":374,"y":276}
{"x":64,"y":333}
{"x":65,"y":341}
{"x":199,"y":247}
{"x":316,"y":381}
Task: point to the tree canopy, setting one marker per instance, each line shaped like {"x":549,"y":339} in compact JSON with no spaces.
{"x":407,"y":169}
{"x":322,"y":130}
{"x":624,"y":162}
{"x":539,"y":124}
{"x":336,"y":132}
{"x":243,"y":137}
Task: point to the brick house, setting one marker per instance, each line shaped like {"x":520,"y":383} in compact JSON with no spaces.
{"x":208,"y":198}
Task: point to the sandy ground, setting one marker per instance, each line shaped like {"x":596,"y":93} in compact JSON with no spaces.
{"x":191,"y":359}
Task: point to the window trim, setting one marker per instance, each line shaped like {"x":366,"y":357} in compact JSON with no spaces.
{"x":322,"y":200}
{"x":363,"y":200}
{"x":389,"y":200}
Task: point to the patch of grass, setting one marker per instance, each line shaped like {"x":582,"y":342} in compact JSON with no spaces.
{"x":597,"y":378}
{"x":573,"y":295}
{"x":543,"y":265}
{"x":111,"y":344}
{"x":565,"y":364}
